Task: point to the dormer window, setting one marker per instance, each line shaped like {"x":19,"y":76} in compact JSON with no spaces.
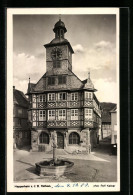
{"x":51,"y":80}
{"x":61,"y":79}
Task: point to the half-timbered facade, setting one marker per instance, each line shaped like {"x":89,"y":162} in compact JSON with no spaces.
{"x":21,"y":130}
{"x":61,"y":103}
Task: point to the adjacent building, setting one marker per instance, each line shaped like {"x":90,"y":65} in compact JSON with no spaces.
{"x":21,"y":131}
{"x":61,"y":104}
{"x":106,"y":119}
{"x":114,"y":125}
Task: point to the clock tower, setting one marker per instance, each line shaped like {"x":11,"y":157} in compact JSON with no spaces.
{"x":58,"y":52}
{"x":61,"y":104}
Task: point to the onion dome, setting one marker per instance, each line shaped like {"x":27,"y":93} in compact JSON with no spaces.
{"x":60,"y":25}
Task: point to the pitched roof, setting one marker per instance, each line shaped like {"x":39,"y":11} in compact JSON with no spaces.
{"x":114,"y":109}
{"x":19,"y":98}
{"x":106,"y":108}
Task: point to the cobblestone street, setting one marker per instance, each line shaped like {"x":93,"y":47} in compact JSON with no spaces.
{"x":99,"y":166}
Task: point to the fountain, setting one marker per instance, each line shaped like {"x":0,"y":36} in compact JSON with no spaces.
{"x":54,"y":166}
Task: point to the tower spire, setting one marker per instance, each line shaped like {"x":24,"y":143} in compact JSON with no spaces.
{"x":59,"y":16}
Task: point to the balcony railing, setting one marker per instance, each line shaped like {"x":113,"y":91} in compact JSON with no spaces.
{"x":58,"y":124}
{"x":67,"y":124}
{"x":63,"y":104}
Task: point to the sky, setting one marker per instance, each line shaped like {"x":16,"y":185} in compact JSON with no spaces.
{"x":92,"y":37}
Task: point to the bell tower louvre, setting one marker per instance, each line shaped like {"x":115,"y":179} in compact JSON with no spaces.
{"x":60,"y":102}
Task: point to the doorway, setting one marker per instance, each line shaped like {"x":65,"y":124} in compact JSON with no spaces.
{"x":60,"y":140}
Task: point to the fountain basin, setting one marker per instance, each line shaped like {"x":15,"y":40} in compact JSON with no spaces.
{"x":50,"y":168}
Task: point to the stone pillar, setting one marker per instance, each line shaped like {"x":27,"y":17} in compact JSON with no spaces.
{"x":34,"y":141}
{"x":54,"y":145}
{"x":88,"y":147}
{"x":86,"y":140}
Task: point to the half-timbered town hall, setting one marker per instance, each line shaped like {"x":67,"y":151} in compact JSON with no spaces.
{"x":62,"y":104}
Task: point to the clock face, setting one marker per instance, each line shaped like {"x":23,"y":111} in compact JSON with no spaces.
{"x":56,"y":53}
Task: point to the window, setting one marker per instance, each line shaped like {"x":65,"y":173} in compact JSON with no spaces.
{"x":51,"y":96}
{"x":88,"y":95}
{"x":74,"y":96}
{"x":20,"y":111}
{"x":62,"y":96}
{"x":42,"y":115}
{"x":62,"y":114}
{"x":42,"y":98}
{"x":19,"y":121}
{"x":56,"y":64}
{"x":74,"y":138}
{"x":74,"y":114}
{"x":44,"y":138}
{"x":61,"y":79}
{"x":20,"y":134}
{"x":51,"y":114}
{"x":51,"y":80}
{"x":88,"y":113}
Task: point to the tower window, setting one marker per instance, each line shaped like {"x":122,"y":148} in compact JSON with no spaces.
{"x":44,"y":138}
{"x":61,"y":79}
{"x":56,"y":64}
{"x":51,"y":80}
{"x":74,"y":138}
